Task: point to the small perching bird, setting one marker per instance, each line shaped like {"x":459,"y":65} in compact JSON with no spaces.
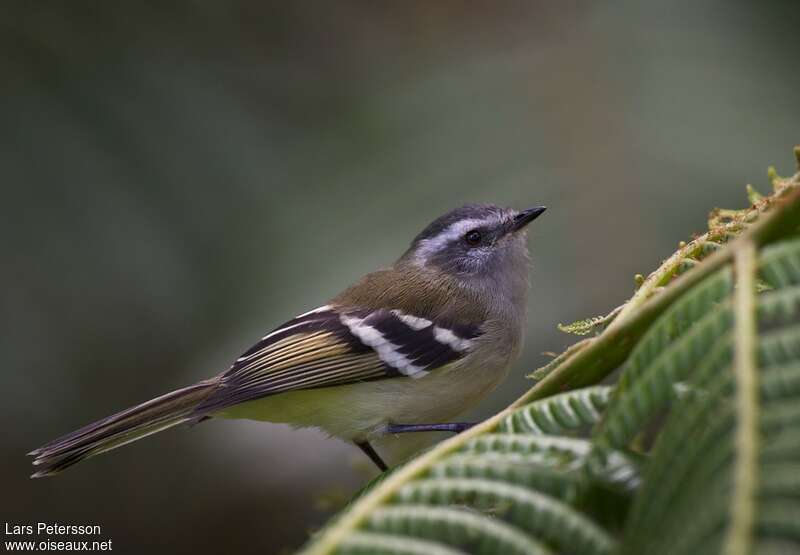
{"x":407,"y":348}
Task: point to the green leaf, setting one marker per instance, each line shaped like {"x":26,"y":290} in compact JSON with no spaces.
{"x":462,"y":528}
{"x":734,"y":449}
{"x":589,"y":325}
{"x":675,"y":345}
{"x":540,"y":515}
{"x":370,"y":543}
{"x":560,"y":413}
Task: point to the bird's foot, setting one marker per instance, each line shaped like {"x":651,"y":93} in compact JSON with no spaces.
{"x":455,"y":427}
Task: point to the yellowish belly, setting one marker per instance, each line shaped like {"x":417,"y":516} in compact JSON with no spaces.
{"x":362,"y":410}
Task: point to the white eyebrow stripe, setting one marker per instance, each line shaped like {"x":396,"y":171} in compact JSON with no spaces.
{"x":388,"y":352}
{"x":450,"y":339}
{"x":428,"y":246}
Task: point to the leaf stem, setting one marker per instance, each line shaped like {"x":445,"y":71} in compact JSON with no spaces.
{"x":739,"y":535}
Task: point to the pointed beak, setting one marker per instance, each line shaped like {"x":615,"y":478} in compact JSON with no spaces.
{"x":526,"y":216}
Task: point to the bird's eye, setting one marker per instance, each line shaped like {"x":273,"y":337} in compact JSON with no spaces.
{"x":473,"y":237}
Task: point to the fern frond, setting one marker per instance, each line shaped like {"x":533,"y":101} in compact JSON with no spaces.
{"x":781,"y":381}
{"x":746,"y":441}
{"x":560,"y":413}
{"x":675,"y":345}
{"x":779,"y":306}
{"x":563,"y":467}
{"x":733,"y":449}
{"x":562,"y":447}
{"x":542,"y":516}
{"x":536,"y":472}
{"x":779,"y":521}
{"x":687,"y":460}
{"x":589,"y":325}
{"x":371,"y":543}
{"x":542,"y":372}
{"x":669,"y":352}
{"x":779,"y":347}
{"x":582,"y":327}
{"x":457,"y":528}
{"x":780,"y":264}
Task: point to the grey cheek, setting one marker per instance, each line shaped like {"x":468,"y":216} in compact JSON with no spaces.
{"x":476,"y":261}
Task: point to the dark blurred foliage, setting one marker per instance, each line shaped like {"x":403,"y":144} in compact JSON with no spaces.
{"x":179,"y":177}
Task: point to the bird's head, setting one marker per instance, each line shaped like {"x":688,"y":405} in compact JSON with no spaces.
{"x":480,"y":242}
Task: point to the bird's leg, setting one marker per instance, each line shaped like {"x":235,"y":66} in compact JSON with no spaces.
{"x":455,"y":427}
{"x":370,"y":452}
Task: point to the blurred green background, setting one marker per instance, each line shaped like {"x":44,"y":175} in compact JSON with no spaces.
{"x":180,"y":177}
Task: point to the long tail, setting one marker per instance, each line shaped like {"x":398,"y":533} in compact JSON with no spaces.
{"x":121,"y":428}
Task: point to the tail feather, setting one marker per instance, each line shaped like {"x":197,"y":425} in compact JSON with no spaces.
{"x":121,"y":428}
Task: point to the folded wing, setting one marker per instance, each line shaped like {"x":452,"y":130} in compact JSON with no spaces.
{"x":331,"y":346}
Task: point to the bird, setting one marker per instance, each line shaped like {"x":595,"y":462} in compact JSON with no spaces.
{"x":408,"y":348}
